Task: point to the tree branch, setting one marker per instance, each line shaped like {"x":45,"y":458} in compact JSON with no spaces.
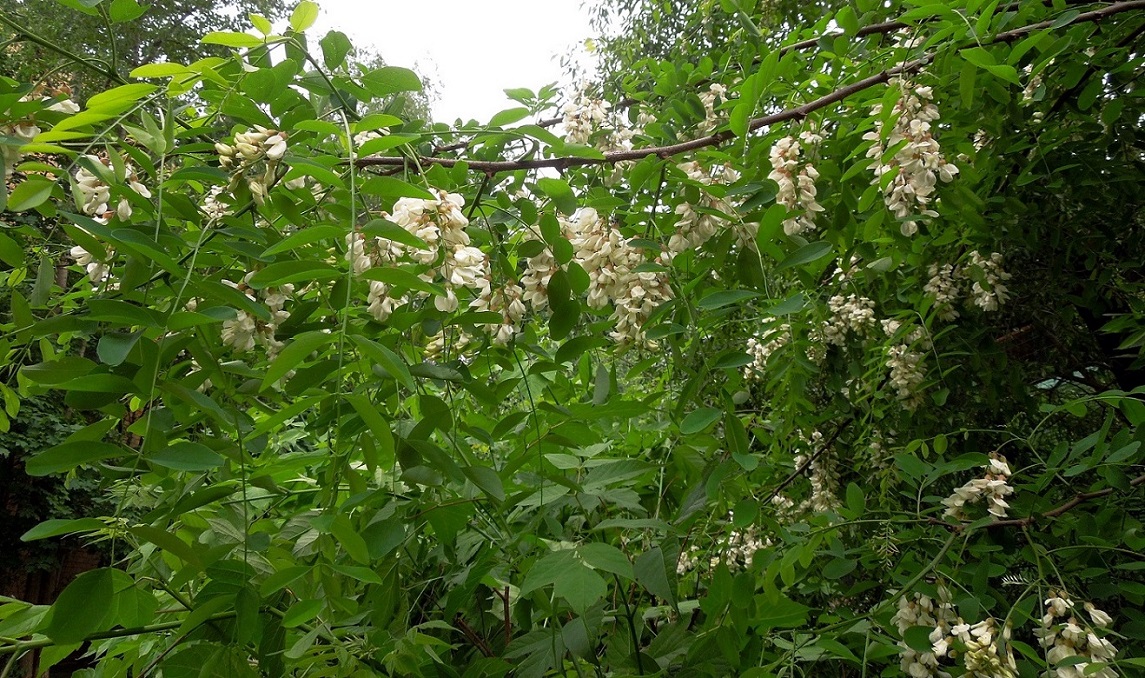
{"x":794,"y":113}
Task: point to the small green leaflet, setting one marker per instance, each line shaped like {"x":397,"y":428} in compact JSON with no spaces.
{"x":805,"y":255}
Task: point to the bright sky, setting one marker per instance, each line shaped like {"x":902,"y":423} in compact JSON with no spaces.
{"x":473,"y":49}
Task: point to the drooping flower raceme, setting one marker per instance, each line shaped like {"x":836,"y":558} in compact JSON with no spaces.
{"x":760,"y":349}
{"x":993,"y":486}
{"x":1075,"y":648}
{"x":796,"y":179}
{"x":918,"y":163}
{"x":246,"y":330}
{"x":582,"y":116}
{"x":611,"y":261}
{"x":96,"y":193}
{"x":989,"y":293}
{"x":699,"y":223}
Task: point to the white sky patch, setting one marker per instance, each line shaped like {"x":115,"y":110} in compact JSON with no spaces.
{"x":472,"y":49}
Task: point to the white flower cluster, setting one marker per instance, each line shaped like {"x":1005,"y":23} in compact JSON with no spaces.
{"x":610,"y":261}
{"x":918,"y":164}
{"x":249,"y":148}
{"x":796,"y":178}
{"x":1068,"y":638}
{"x":922,"y":610}
{"x":761,"y":348}
{"x":507,"y":301}
{"x":943,"y":288}
{"x":539,"y":270}
{"x":582,"y":116}
{"x":697,"y":226}
{"x":98,"y":270}
{"x":994,"y":486}
{"x":849,"y":315}
{"x":736,"y":551}
{"x":95,"y":193}
{"x":946,"y":282}
{"x":245,"y":331}
{"x":993,"y":294}
{"x":440,"y":224}
{"x":981,"y":657}
{"x":905,"y":362}
{"x":25,"y":130}
{"x":214,"y":208}
{"x":711,"y":98}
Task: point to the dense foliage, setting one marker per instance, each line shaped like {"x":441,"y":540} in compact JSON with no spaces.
{"x":808,"y":348}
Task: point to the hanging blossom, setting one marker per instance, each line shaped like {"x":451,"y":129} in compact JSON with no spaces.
{"x":1067,"y":637}
{"x":711,"y":98}
{"x":505,"y":300}
{"x":981,"y":654}
{"x":443,"y":344}
{"x":98,"y":270}
{"x":539,"y":270}
{"x":696,"y":226}
{"x":249,"y":148}
{"x":213,"y":207}
{"x":983,"y":277}
{"x":96,"y":193}
{"x":993,"y":485}
{"x":245,"y":331}
{"x":26,"y":129}
{"x":762,"y":347}
{"x":905,"y":362}
{"x":582,"y":116}
{"x":821,"y":474}
{"x":851,"y":314}
{"x":943,"y":289}
{"x":610,"y":261}
{"x":736,"y":551}
{"x":918,"y":609}
{"x":918,"y":164}
{"x":440,"y":223}
{"x":991,"y":295}
{"x":796,"y":179}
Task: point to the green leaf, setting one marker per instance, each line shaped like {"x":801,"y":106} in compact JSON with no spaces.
{"x":700,"y":420}
{"x":581,"y":587}
{"x":508,"y":116}
{"x":291,"y":272}
{"x":187,"y":456}
{"x":30,"y":193}
{"x":168,"y":541}
{"x":725,"y":298}
{"x":805,"y":255}
{"x":166,"y":69}
{"x":350,"y":540}
{"x":387,"y":80}
{"x":335,"y":46}
{"x":295,"y":352}
{"x":306,"y":236}
{"x":59,"y":526}
{"x":301,"y":612}
{"x":304,"y":15}
{"x":122,"y":11}
{"x":82,"y":607}
{"x":403,"y":280}
{"x":389,"y":361}
{"x":608,"y":558}
{"x":69,"y":455}
{"x":10,"y":252}
{"x":113,"y":347}
{"x":651,"y":570}
{"x":232,"y":39}
{"x":381,"y":228}
{"x":119,"y":98}
{"x":559,"y":191}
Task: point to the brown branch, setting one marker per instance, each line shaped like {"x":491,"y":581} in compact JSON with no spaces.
{"x":807,"y":464}
{"x":471,"y":635}
{"x":794,"y":113}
